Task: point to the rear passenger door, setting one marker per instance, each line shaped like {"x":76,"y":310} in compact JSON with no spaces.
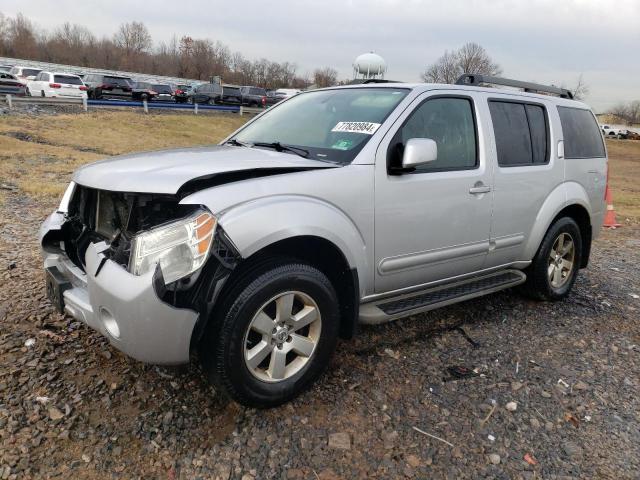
{"x":526,"y":171}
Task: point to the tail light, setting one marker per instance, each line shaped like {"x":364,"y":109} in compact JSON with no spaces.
{"x":104,"y":86}
{"x":83,"y":88}
{"x":179,"y":92}
{"x":55,"y":85}
{"x":264,"y":101}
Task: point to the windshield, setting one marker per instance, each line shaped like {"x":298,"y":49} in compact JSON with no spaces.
{"x":332,"y":125}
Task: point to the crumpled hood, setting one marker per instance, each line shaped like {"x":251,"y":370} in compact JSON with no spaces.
{"x":166,"y":171}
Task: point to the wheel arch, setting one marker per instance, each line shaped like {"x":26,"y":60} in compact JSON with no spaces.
{"x":323,"y":255}
{"x":567,"y":200}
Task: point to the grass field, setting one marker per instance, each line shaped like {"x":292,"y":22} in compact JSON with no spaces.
{"x":38,"y":154}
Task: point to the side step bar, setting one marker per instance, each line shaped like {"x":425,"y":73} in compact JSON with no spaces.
{"x":409,"y":304}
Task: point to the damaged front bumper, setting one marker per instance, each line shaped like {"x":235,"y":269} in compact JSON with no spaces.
{"x":123,"y":307}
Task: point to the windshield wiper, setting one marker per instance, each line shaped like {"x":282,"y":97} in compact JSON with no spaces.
{"x":280,"y":147}
{"x":237,"y":143}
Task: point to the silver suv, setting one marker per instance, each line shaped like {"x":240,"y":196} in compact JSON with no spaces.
{"x":353,"y":204}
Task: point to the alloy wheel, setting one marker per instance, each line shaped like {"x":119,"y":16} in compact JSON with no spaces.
{"x":282,"y":336}
{"x":561,"y":260}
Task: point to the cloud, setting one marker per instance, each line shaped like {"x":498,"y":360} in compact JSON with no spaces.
{"x":542,"y":40}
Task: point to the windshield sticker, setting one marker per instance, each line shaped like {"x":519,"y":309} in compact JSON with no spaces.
{"x":367,"y":128}
{"x":342,"y":145}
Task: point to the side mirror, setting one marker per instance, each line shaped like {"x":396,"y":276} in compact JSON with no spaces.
{"x":419,"y":151}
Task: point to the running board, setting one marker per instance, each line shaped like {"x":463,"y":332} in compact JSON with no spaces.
{"x":440,"y":296}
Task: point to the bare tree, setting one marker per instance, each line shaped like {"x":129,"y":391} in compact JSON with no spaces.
{"x":470,"y":58}
{"x":581,"y":89}
{"x":133,"y":38}
{"x":325,"y":77}
{"x":444,"y":70}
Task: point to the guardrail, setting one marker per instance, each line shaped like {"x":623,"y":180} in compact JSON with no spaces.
{"x":10,"y":100}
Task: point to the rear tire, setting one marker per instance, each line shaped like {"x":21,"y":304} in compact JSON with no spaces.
{"x":257,"y":348}
{"x":554,"y":269}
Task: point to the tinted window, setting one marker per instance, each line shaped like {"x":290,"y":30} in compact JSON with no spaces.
{"x":117,"y":81}
{"x":231,"y":91}
{"x":29,"y":72}
{"x":538,"y":130}
{"x":450,"y":123}
{"x":67,"y":79}
{"x":162,"y":88}
{"x":511,"y":129}
{"x":582,"y":138}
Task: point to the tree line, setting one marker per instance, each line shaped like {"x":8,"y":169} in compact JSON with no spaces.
{"x":131,"y":48}
{"x":629,"y":112}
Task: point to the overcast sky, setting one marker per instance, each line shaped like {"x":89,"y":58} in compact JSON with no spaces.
{"x":548,"y":41}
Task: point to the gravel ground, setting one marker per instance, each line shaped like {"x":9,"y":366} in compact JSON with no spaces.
{"x":552,"y":392}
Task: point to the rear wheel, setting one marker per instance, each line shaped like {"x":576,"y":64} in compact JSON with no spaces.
{"x":553,"y":271}
{"x":274,"y":334}
{"x":42,"y":93}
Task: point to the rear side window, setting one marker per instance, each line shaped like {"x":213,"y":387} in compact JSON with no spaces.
{"x":582,"y":137}
{"x":521,"y":133}
{"x":69,"y":79}
{"x":30,"y":72}
{"x":118,"y":81}
{"x":450,"y":122}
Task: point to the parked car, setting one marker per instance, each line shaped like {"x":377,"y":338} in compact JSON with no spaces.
{"x":143,"y":91}
{"x":108,"y":86}
{"x":164,"y":92}
{"x":181,"y":92}
{"x":253,"y":96}
{"x":207,"y":93}
{"x":231,"y":95}
{"x":11,"y":85}
{"x":614,"y":132}
{"x":25,"y":74}
{"x":287,"y":92}
{"x":57,"y":84}
{"x":272,"y":98}
{"x":351,"y":204}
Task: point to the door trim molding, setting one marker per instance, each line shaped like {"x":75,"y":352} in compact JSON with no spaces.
{"x":410,"y":261}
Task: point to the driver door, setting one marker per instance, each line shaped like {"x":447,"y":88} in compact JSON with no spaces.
{"x":433,"y":223}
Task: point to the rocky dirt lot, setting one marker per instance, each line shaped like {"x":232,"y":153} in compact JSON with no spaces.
{"x":550,"y":390}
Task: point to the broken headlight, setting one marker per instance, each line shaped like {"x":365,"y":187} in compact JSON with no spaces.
{"x":180,"y":247}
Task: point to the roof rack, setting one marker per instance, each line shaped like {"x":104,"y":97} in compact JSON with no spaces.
{"x":379,"y":80}
{"x":476,"y":80}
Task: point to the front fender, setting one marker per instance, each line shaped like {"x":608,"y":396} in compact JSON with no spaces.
{"x":564,"y":195}
{"x":256,"y":224}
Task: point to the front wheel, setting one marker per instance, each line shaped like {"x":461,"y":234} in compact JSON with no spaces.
{"x":553,"y":270}
{"x":273,"y":336}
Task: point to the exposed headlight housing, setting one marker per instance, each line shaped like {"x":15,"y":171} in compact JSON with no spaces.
{"x":180,"y":247}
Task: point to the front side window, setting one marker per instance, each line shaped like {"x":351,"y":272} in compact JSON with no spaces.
{"x":449,"y":121}
{"x":332,"y":125}
{"x":582,"y":138}
{"x":521,"y":133}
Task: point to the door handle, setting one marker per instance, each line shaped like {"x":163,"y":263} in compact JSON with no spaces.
{"x":479,"y":188}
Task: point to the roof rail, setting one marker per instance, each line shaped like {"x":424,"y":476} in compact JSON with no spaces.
{"x":476,"y":80}
{"x":379,"y":80}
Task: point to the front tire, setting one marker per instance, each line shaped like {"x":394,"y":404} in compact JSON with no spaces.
{"x":554,"y":269}
{"x":273,"y":335}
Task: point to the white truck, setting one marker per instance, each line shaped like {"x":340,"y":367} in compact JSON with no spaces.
{"x":613,"y":131}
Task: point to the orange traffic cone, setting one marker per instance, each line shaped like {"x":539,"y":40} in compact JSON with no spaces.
{"x":610,"y":216}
